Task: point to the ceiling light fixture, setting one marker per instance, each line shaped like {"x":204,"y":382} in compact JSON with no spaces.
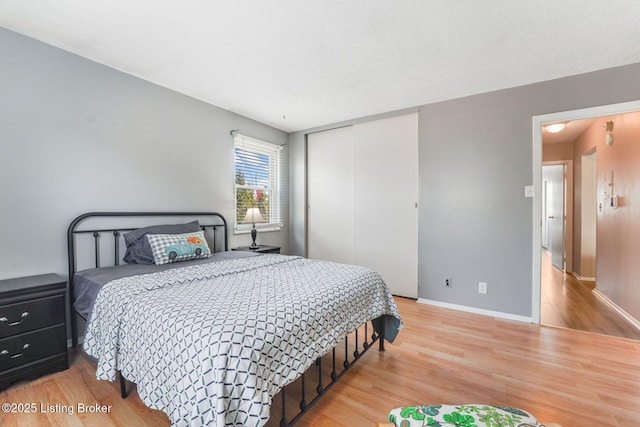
{"x":555,"y":127}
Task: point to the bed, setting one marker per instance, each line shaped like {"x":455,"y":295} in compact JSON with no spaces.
{"x":213,"y":340}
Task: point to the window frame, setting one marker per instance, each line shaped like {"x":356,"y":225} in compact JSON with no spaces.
{"x":274,"y":169}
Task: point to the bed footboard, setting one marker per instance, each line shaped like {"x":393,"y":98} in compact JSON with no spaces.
{"x":295,"y":399}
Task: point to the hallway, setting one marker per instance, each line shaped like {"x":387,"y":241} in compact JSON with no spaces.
{"x":569,"y":303}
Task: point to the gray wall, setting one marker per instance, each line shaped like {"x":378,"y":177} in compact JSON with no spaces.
{"x":476,"y":156}
{"x":76,"y":136}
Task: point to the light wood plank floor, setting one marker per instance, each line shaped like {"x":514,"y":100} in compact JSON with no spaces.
{"x":574,"y":378}
{"x":570,"y":303}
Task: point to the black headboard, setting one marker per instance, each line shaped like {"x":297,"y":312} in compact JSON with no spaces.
{"x":112,"y":225}
{"x":97,"y":224}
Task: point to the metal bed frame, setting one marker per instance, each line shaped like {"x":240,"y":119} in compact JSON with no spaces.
{"x":218,"y":226}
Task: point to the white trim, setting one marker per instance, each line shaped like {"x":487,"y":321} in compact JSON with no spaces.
{"x":267,"y":228}
{"x":583,"y":279}
{"x":619,"y":310}
{"x":538,"y":121}
{"x":474,"y":310}
{"x":537,"y":219}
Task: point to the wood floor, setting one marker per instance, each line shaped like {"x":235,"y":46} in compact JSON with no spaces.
{"x":573,"y":378}
{"x":570,"y":303}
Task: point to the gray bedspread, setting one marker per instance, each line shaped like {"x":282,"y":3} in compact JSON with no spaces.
{"x":211,"y":344}
{"x":87,"y":283}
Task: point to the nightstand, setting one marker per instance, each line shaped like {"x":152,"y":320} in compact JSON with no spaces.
{"x":33,"y":327}
{"x":263,"y":249}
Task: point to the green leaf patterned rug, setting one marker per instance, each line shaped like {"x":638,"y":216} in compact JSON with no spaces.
{"x":461,"y":416}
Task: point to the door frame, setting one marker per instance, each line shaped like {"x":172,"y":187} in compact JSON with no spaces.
{"x":538,"y":121}
{"x":592,"y":190}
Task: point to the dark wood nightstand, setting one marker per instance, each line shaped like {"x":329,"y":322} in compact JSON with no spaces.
{"x":263,"y":249}
{"x":33,"y":327}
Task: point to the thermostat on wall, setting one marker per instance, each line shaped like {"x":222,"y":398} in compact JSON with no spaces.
{"x":613,"y":202}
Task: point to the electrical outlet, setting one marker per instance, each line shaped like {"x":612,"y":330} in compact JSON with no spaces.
{"x":447,"y":282}
{"x":482,"y":287}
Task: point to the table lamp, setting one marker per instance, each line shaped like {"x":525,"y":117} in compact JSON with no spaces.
{"x":252,"y":217}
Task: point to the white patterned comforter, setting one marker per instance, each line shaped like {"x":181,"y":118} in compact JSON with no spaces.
{"x":212,"y":344}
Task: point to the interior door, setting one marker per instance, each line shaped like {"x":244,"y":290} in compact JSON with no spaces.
{"x":554,"y":175}
{"x":385,"y":201}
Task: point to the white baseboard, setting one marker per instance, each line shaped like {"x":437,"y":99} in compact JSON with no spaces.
{"x":583,"y":279}
{"x":474,"y":310}
{"x":619,"y":310}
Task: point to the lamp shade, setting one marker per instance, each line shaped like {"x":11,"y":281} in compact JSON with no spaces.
{"x":253,"y":216}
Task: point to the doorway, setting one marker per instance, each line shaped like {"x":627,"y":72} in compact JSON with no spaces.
{"x":568,"y":292}
{"x":540,"y":202}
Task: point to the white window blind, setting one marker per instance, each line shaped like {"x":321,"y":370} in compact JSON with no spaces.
{"x":258,"y":183}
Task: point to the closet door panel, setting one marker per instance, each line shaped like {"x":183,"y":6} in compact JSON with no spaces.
{"x":330,"y":195}
{"x":385,"y":200}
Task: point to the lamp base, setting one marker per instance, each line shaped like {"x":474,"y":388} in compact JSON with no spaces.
{"x":254,"y":234}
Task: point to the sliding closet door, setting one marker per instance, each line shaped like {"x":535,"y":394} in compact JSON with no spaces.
{"x":330,"y":195}
{"x":362,"y":192}
{"x":385,"y":200}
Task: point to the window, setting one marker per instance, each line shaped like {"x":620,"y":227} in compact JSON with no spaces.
{"x":258,"y":183}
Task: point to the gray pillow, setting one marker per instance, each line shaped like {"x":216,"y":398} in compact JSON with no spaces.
{"x":138,"y":249}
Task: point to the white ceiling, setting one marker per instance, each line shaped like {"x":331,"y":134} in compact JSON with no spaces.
{"x":300,"y":64}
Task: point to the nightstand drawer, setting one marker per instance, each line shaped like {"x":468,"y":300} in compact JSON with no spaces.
{"x":32,"y":346}
{"x":31,"y":315}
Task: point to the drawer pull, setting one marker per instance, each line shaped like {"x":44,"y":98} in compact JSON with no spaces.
{"x":15,"y":356}
{"x":22,"y":317}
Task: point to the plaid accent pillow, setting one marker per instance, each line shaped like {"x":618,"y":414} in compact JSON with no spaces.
{"x":138,"y":249}
{"x":168,"y":248}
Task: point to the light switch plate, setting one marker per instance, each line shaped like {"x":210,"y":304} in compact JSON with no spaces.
{"x":528,"y":191}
